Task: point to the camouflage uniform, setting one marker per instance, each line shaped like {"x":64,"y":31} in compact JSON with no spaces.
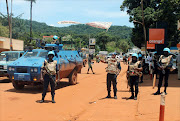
{"x":134,"y":76}
{"x":113,"y":71}
{"x":52,"y":66}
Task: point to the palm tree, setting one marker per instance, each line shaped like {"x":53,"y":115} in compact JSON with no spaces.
{"x":31,"y":17}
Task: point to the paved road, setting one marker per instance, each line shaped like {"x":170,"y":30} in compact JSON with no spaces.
{"x":86,"y":101}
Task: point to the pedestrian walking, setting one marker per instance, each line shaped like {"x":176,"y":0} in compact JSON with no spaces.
{"x":164,"y":65}
{"x":133,"y":73}
{"x":90,"y":64}
{"x":113,"y":69}
{"x":178,"y":64}
{"x":49,"y":75}
{"x":141,"y":62}
{"x":97,"y":59}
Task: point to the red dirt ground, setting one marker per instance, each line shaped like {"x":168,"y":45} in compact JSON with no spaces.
{"x":86,"y":101}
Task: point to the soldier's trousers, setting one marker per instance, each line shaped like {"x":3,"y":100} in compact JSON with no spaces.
{"x":134,"y":80}
{"x":48,"y":80}
{"x":111,"y":78}
{"x":165,"y":76}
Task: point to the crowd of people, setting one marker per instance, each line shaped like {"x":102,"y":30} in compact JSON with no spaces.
{"x":138,"y":65}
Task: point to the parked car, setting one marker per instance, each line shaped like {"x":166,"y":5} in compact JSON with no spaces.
{"x":6,"y":58}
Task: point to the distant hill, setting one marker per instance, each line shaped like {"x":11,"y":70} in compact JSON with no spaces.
{"x":21,"y":26}
{"x":115,"y":37}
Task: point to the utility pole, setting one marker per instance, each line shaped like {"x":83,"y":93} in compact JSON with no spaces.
{"x":11,"y":47}
{"x":145,"y":42}
{"x":10,"y":31}
{"x":31,"y":21}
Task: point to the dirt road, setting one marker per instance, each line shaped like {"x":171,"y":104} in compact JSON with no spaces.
{"x":86,"y":101}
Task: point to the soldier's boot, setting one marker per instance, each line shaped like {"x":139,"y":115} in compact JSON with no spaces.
{"x":132,"y":95}
{"x":109,"y":94}
{"x":53,"y":101}
{"x":41,"y":101}
{"x":115,"y":95}
{"x":158,"y":92}
{"x":135,"y":98}
{"x":165,"y":90}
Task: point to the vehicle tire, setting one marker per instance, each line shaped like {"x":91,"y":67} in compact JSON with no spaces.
{"x":73,"y":77}
{"x":16,"y":85}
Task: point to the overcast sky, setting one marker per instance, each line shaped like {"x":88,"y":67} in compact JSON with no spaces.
{"x":83,"y":11}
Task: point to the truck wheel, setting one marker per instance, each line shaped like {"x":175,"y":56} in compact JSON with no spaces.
{"x":17,"y":86}
{"x":73,"y":78}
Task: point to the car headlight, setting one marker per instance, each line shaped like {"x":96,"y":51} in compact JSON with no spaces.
{"x":35,"y":70}
{"x":9,"y":68}
{"x":32,"y":70}
{"x":12,"y":69}
{"x":5,"y":66}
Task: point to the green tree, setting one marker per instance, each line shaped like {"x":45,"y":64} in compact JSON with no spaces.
{"x":102,"y":39}
{"x":123,"y":45}
{"x":4,"y":31}
{"x":154,"y":11}
{"x":111,"y":46}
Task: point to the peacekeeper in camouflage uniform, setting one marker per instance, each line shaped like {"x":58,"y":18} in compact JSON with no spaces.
{"x":134,"y":71}
{"x":113,"y":69}
{"x":50,"y":70}
{"x":164,"y":65}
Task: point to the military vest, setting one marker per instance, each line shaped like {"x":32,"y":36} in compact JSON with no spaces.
{"x":132,"y":67}
{"x":112,"y":66}
{"x":51,"y":66}
{"x":165,"y":60}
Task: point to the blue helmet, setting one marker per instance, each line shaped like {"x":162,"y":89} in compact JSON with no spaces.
{"x":51,"y":53}
{"x":135,"y":55}
{"x":140,"y":56}
{"x":55,"y":37}
{"x":166,"y":49}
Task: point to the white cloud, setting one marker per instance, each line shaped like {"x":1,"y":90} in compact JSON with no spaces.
{"x":51,"y":25}
{"x":97,"y":13}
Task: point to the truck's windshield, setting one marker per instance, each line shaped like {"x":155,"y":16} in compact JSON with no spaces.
{"x":31,"y":54}
{"x":12,"y":56}
{"x":43,"y":54}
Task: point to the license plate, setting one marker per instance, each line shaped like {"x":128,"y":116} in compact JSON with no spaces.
{"x":20,"y":76}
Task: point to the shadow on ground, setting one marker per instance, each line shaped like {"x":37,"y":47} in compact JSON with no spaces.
{"x":45,"y":101}
{"x":4,"y":80}
{"x":172,"y":82}
{"x":37,"y":89}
